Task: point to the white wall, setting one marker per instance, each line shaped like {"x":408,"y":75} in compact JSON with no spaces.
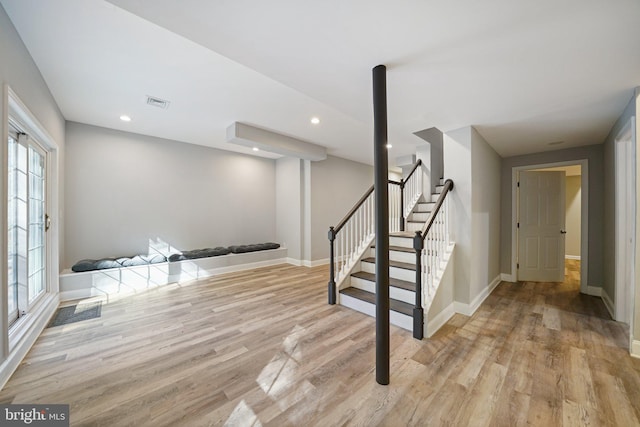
{"x":474,"y":168}
{"x":19,"y":72}
{"x":125,"y":191}
{"x":636,"y":323}
{"x":573,"y":219}
{"x":485,"y":202}
{"x":335,"y":186}
{"x":289,"y":205}
{"x":424,"y":153}
{"x":457,"y":167}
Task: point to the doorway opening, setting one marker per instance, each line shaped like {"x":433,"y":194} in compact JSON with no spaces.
{"x":576,"y":220}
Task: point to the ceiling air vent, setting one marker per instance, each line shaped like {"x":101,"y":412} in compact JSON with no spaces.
{"x":157,"y":102}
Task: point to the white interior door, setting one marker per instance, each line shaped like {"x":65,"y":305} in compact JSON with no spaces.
{"x":541,"y":226}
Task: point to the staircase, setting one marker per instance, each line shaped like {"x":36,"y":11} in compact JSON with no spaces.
{"x":359,"y":292}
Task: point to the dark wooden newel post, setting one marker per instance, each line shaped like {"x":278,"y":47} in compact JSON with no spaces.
{"x":381,"y":184}
{"x":332,"y":274}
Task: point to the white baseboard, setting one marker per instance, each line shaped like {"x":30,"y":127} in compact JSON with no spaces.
{"x":432,"y":326}
{"x":594,"y":291}
{"x":469,"y":309}
{"x":508,"y":277}
{"x":635,"y":349}
{"x":607,"y":302}
{"x":307,"y":263}
{"x":32,"y":331}
{"x":576,"y":257}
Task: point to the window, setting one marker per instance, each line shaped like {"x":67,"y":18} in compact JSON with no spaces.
{"x":26,"y":222}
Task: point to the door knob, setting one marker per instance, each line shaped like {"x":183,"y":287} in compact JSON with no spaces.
{"x":563,"y":232}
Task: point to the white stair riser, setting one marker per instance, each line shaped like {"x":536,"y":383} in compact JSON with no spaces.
{"x":401,"y":320}
{"x":409,"y":257}
{"x":419,"y":216}
{"x":394,"y":293}
{"x":414,"y":226}
{"x":434,"y":197}
{"x":395,"y":272}
{"x":425,"y":207}
{"x":403,"y":242}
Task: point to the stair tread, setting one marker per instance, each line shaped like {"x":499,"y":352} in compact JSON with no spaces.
{"x":405,"y":234}
{"x":397,"y":264}
{"x":398,"y":249}
{"x":395,"y":305}
{"x":396,"y":283}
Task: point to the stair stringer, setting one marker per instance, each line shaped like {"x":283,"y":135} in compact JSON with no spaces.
{"x":438,"y":299}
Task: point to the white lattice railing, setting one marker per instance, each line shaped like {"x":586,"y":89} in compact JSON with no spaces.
{"x":436,"y":245}
{"x":355,"y":233}
{"x":396,"y":220}
{"x":432,"y":246}
{"x":412,"y":188}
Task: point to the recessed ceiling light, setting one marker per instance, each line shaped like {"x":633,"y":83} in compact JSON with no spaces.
{"x":125,"y":118}
{"x":256,"y":149}
{"x":389,"y":145}
{"x":315,"y":120}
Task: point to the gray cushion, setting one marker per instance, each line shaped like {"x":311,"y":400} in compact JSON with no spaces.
{"x":199,"y":253}
{"x":106,"y":263}
{"x":142,"y":260}
{"x":253,"y":248}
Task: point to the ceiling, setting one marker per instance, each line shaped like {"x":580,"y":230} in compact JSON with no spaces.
{"x":525,"y":74}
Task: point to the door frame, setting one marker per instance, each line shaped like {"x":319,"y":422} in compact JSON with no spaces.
{"x":584,"y":214}
{"x":623,"y":307}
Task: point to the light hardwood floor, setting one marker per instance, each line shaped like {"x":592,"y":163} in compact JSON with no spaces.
{"x":263,"y":348}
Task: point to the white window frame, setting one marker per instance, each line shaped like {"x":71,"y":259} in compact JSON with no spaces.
{"x":15,"y":341}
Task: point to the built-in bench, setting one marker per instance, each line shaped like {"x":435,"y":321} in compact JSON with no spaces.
{"x":123,"y":280}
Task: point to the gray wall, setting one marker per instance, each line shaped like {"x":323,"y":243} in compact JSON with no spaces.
{"x":609,"y":283}
{"x":573,"y":219}
{"x":126,"y":192}
{"x":594,"y":155}
{"x":336,"y":185}
{"x":289,"y":205}
{"x":18,"y":70}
